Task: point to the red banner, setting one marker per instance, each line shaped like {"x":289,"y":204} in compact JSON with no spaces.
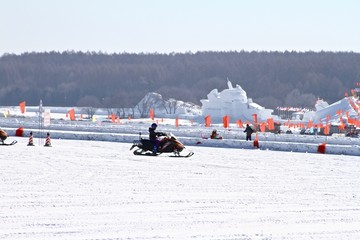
{"x":22,"y":107}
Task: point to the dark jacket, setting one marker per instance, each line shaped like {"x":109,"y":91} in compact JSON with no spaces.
{"x":153,"y":135}
{"x":248,"y":131}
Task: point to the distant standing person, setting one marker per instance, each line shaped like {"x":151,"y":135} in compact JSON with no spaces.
{"x":248,"y":131}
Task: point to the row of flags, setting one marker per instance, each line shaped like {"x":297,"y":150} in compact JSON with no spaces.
{"x":269,"y":123}
{"x":226,"y":122}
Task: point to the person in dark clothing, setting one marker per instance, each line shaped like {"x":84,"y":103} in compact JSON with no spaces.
{"x":215,"y":135}
{"x":153,"y":136}
{"x":248,"y":131}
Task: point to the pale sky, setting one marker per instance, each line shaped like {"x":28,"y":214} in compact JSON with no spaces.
{"x":165,"y":26}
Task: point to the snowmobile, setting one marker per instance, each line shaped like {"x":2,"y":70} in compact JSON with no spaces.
{"x":3,"y":137}
{"x":168,"y":144}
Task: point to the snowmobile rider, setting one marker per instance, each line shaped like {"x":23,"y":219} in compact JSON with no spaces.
{"x":153,"y":136}
{"x":248,"y":131}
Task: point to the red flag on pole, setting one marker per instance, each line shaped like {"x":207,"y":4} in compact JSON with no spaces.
{"x":152,"y":115}
{"x":327,"y":129}
{"x":22,"y":107}
{"x":207,"y":121}
{"x":239,"y":123}
{"x":263,"y":127}
{"x":72,"y":114}
{"x":271,"y":125}
{"x":226,"y":120}
{"x":255,"y":118}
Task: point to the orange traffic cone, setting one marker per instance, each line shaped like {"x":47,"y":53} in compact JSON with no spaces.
{"x":256,"y":142}
{"x":31,"y":141}
{"x":47,"y":141}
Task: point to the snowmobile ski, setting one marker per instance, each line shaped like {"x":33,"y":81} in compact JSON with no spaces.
{"x":141,"y":152}
{"x":8,"y":144}
{"x":150,"y":154}
{"x":183,"y":156}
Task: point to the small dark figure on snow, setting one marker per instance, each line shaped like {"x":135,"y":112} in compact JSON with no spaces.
{"x":3,"y":136}
{"x":215,"y":135}
{"x":248,"y":131}
{"x":153,"y":136}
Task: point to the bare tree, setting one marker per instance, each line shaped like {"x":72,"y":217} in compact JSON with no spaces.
{"x":89,"y":111}
{"x":132,"y":112}
{"x":89,"y":105}
{"x":151,"y":100}
{"x":170,"y":105}
{"x":109,"y":111}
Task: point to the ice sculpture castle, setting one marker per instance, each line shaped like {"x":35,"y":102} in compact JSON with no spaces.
{"x":234,"y":103}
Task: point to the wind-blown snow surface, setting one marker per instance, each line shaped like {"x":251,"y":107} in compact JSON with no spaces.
{"x":99,"y":190}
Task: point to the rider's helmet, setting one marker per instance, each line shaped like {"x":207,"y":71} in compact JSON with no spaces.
{"x":154,"y":126}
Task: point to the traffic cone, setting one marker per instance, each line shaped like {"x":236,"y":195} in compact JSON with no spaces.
{"x":47,"y":141}
{"x":19,"y":132}
{"x":256,"y":142}
{"x":31,"y":141}
{"x":322,"y":148}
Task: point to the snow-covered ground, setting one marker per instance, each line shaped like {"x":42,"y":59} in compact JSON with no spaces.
{"x":89,"y":185}
{"x":99,"y":190}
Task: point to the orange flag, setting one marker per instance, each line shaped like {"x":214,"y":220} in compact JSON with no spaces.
{"x":239,"y":123}
{"x":352,"y":121}
{"x":176,"y":122}
{"x":263,"y":127}
{"x":310,"y":124}
{"x":226,"y":120}
{"x":22,"y":107}
{"x":113,"y":118}
{"x":152,"y":115}
{"x":207,"y":121}
{"x":327,"y":129}
{"x":72,"y":114}
{"x":255,"y":118}
{"x":271,"y":125}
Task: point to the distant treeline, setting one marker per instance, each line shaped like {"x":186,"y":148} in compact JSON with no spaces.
{"x":271,"y":79}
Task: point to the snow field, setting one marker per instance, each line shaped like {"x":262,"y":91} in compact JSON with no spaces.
{"x":100,"y":190}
